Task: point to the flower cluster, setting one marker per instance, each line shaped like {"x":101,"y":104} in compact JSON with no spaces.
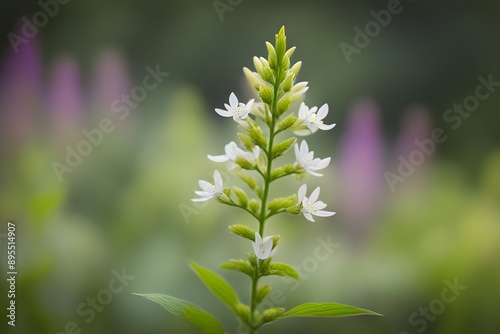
{"x":274,"y":83}
{"x":262,"y":123}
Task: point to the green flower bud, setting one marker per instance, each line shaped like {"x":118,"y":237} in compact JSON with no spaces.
{"x":272,"y":314}
{"x":282,"y":147}
{"x":262,"y":292}
{"x":283,"y":106}
{"x":266,"y":94}
{"x":296,"y":68}
{"x":246,"y":140}
{"x":272,"y":59}
{"x":287,"y":83}
{"x":243,"y":312}
{"x":239,"y":265}
{"x":257,"y":137}
{"x":254,"y":205}
{"x":249,"y":180}
{"x":241,"y":195}
{"x":289,"y":52}
{"x":243,"y":231}
{"x":283,"y":269}
{"x":287,"y":122}
{"x":280,"y":44}
{"x":281,"y":203}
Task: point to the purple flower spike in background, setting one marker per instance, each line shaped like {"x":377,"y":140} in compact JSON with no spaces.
{"x":110,"y":81}
{"x":361,"y":165}
{"x":20,"y":93}
{"x":414,"y":147}
{"x":64,"y":105}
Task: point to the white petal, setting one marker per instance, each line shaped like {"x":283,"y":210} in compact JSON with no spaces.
{"x":302,"y":192}
{"x":297,"y":152}
{"x":326,"y":127}
{"x":324,"y":213}
{"x":233,"y":100}
{"x":223,"y":113}
{"x":319,"y":205}
{"x":314,"y":173}
{"x":258,"y":239}
{"x":323,"y":163}
{"x":308,"y":216}
{"x":302,"y":132}
{"x":322,"y":112}
{"x":204,"y":185}
{"x":250,"y":104}
{"x":218,"y":158}
{"x":273,"y":251}
{"x":218,"y":180}
{"x":303,"y":110}
{"x":314,"y":195}
{"x":304,"y":150}
{"x":200,"y":199}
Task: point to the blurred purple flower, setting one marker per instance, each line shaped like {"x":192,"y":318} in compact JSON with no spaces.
{"x":20,"y":93}
{"x":64,"y":101}
{"x":109,"y":81}
{"x":416,"y":124}
{"x":361,"y":164}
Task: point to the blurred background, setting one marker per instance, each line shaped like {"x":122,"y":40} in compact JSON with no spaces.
{"x":118,"y":217}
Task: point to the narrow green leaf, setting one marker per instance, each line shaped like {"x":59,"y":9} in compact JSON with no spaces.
{"x":199,"y":318}
{"x":327,"y":310}
{"x":216,"y":284}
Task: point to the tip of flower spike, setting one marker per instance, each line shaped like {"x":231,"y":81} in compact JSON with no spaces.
{"x":282,"y":31}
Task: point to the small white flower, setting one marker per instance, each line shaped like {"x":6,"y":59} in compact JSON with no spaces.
{"x":313,"y":120}
{"x":209,"y":190}
{"x":233,"y":151}
{"x":235,"y":109}
{"x":307,"y":161}
{"x":311,"y":205}
{"x":263,"y":248}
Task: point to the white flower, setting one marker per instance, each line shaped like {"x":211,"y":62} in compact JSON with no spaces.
{"x":237,"y":110}
{"x":233,"y":151}
{"x":263,"y":248}
{"x":209,"y":190}
{"x":307,"y":161}
{"x":311,"y":206}
{"x":313,"y":120}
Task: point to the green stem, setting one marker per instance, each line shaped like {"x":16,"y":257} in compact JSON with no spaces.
{"x":267,"y":182}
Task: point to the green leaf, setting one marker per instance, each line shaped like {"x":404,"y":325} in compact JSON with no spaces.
{"x":199,"y":318}
{"x":239,"y":265}
{"x":216,"y":284}
{"x":283,"y":269}
{"x":326,"y":310}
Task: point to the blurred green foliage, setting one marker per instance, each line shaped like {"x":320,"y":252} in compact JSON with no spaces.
{"x":128,"y":204}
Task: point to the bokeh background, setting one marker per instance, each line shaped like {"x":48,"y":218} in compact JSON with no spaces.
{"x":126,"y":206}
